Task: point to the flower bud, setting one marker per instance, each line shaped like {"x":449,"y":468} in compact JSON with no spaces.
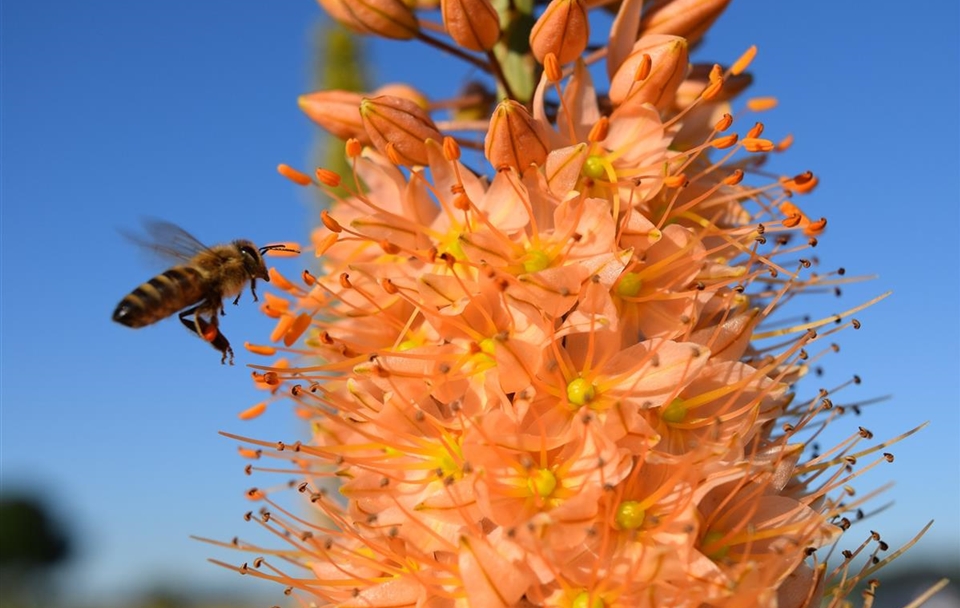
{"x":473,"y":24}
{"x":402,"y":124}
{"x":387,"y":18}
{"x":515,"y":138}
{"x":338,"y":112}
{"x":403,"y":91}
{"x":668,"y":56}
{"x":689,"y":19}
{"x":563,"y":29}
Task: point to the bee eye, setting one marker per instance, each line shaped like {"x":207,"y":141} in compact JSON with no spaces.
{"x":250,"y":252}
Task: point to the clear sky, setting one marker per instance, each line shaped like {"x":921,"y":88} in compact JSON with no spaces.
{"x":112,"y":111}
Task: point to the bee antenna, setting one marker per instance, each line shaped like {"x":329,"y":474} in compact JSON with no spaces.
{"x":278,"y":247}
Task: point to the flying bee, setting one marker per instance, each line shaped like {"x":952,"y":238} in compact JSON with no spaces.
{"x":197,"y":286}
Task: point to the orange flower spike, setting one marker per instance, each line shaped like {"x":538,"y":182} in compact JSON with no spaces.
{"x":337,"y":112}
{"x":686,"y":18}
{"x":562,"y":29}
{"x":387,"y":18}
{"x":402,"y":123}
{"x":515,"y":139}
{"x":473,"y":24}
{"x":668,"y":56}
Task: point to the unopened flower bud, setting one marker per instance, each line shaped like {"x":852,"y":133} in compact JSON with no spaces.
{"x":515,"y":138}
{"x":403,"y":91}
{"x":402,"y":124}
{"x":668,"y":56}
{"x":387,"y":18}
{"x":473,"y":24}
{"x":686,"y":18}
{"x":338,"y":112}
{"x":563,"y":29}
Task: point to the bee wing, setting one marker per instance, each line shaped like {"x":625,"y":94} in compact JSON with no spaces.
{"x":167,"y":241}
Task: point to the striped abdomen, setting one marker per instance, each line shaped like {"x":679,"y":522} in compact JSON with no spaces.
{"x":161,"y":296}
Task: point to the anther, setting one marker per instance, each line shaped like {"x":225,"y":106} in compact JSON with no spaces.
{"x":327,"y":177}
{"x":331,"y":224}
{"x":301,"y":179}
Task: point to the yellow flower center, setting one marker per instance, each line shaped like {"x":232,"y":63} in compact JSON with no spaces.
{"x":710,"y":547}
{"x":535,"y":260}
{"x":542,"y":483}
{"x":580,"y":392}
{"x":674,"y":413}
{"x":629,"y":515}
{"x":594,"y":167}
{"x":629,"y":285}
{"x":583,"y":601}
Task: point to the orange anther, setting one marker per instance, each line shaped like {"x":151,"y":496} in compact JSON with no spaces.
{"x":451,"y":149}
{"x":326,"y":243}
{"x":327,"y":177}
{"x":744,"y":61}
{"x":757,"y":145}
{"x":299,"y":325}
{"x":551,"y":67}
{"x":301,"y":179}
{"x":643,"y":68}
{"x":725,"y":122}
{"x":761,"y":104}
{"x":675,"y":181}
{"x":734,"y":178}
{"x":388,"y":247}
{"x":755,"y":131}
{"x":281,"y":328}
{"x":331,"y":224}
{"x":251,"y":413}
{"x":259,"y":349}
{"x":724,"y":142}
{"x":353,"y":148}
{"x":600,"y":129}
{"x":280,"y":281}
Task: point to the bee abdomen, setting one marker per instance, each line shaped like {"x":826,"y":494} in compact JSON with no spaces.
{"x":160,"y":297}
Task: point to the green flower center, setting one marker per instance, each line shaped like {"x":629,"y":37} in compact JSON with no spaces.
{"x":580,"y":392}
{"x":629,"y":515}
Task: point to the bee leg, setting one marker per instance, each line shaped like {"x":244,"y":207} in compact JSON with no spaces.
{"x":253,"y":290}
{"x":208,"y":331}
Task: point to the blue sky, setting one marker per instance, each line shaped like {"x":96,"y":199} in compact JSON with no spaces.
{"x":117,"y":110}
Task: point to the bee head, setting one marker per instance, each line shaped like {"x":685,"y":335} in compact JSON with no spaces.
{"x":252,"y":259}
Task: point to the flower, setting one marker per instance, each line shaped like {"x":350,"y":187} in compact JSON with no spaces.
{"x":548,"y":386}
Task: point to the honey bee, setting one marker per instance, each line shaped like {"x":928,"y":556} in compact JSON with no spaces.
{"x":197,"y":285}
